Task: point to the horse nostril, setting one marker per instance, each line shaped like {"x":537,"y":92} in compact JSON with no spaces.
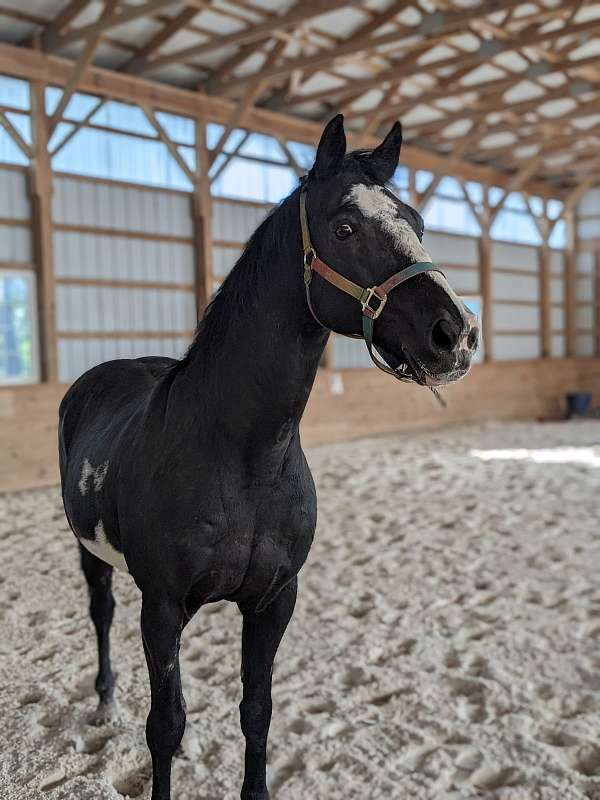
{"x":444,"y":336}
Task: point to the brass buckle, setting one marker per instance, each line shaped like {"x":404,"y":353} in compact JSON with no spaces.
{"x":366,"y":307}
{"x":309,"y":257}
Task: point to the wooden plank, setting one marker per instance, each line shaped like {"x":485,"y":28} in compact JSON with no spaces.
{"x":125,"y":334}
{"x":570,"y":283}
{"x":40,"y":187}
{"x":117,"y":283}
{"x":151,"y":237}
{"x":202,"y":212}
{"x":597,"y":299}
{"x":545,"y":299}
{"x":54,"y":41}
{"x":17,"y":266}
{"x":300,"y":12}
{"x":15,"y":135}
{"x":19,"y":62}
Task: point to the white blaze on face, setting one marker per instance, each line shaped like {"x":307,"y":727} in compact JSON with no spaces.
{"x":103,"y":549}
{"x":374,"y":203}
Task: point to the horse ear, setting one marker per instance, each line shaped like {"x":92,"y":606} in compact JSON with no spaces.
{"x":384,"y":159}
{"x":331,"y":150}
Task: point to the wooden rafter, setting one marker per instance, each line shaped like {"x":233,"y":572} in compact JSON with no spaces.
{"x":300,"y":12}
{"x":170,"y":28}
{"x":83,"y":62}
{"x":15,"y":135}
{"x":77,"y":126}
{"x":53,"y":41}
{"x":169,"y":143}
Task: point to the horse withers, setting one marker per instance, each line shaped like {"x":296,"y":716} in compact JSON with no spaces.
{"x":190,"y":474}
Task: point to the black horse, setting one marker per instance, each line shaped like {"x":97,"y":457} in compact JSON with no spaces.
{"x":190,"y":475}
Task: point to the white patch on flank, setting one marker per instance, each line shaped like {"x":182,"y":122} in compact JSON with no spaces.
{"x":376,"y":204}
{"x":98,"y":474}
{"x":103,"y":549}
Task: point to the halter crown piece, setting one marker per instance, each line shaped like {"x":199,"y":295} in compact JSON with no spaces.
{"x":371,"y":299}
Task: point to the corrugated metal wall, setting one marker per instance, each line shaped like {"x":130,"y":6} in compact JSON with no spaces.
{"x":16,"y":247}
{"x":124,"y":264}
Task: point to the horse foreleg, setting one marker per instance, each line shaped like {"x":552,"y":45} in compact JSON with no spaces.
{"x":261,"y":636}
{"x":162,"y":623}
{"x":102,"y":605}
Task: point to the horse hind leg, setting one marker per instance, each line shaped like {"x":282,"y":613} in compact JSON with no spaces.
{"x":98,"y":575}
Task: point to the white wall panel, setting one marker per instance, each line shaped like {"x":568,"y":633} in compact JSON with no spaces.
{"x":15,"y":244}
{"x":557,"y":262}
{"x":584,"y":317}
{"x":77,"y":356}
{"x":80,"y":202}
{"x":516,"y":317}
{"x":507,"y":348}
{"x":349,"y":353}
{"x":585,"y":262}
{"x":514,"y":256}
{"x":14,"y":196}
{"x":99,"y":308}
{"x":557,"y":316}
{"x":590,"y":203}
{"x":585,"y":345}
{"x":589,"y":228}
{"x":584,"y":288}
{"x":224,"y":258}
{"x":557,"y":290}
{"x":515,"y":287}
{"x":445,"y":249}
{"x":462,"y":280}
{"x":84,"y":255}
{"x":558,"y":346}
{"x":235,"y":222}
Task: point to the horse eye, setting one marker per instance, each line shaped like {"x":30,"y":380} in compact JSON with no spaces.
{"x":343,"y":231}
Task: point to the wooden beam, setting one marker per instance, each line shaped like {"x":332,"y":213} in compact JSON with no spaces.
{"x":545,"y":278}
{"x":485,"y":279}
{"x":408,"y":65}
{"x":227,"y":158}
{"x":202,"y":211}
{"x":170,"y":28}
{"x":597,"y":300}
{"x":40,"y":187}
{"x":52,"y":41}
{"x":15,"y":135}
{"x":62,"y":19}
{"x":169,"y":143}
{"x":32,"y":65}
{"x":518,"y":180}
{"x":77,"y":126}
{"x":570,"y":278}
{"x":299,"y":13}
{"x":82,"y":63}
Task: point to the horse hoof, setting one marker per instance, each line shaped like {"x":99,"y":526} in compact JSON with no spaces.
{"x":107,"y":713}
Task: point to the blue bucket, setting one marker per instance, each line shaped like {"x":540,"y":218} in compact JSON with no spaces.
{"x":579,"y":404}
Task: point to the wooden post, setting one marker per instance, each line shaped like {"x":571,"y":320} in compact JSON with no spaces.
{"x":545,"y":298}
{"x":40,"y":189}
{"x":597,"y":299}
{"x":202,"y":216}
{"x":485,"y":279}
{"x":571,"y":284}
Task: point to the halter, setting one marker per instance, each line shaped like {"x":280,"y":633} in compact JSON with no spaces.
{"x":371,"y":299}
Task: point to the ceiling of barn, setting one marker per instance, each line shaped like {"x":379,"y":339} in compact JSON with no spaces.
{"x":514,"y":85}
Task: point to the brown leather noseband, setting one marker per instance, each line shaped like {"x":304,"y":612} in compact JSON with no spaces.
{"x":376,"y":295}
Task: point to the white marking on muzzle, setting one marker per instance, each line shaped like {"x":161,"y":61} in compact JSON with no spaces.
{"x":103,"y":549}
{"x":375,"y":204}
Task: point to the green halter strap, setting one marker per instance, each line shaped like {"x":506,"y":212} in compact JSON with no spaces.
{"x":372,"y":299}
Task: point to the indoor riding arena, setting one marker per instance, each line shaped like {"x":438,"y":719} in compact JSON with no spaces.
{"x":445,"y":643}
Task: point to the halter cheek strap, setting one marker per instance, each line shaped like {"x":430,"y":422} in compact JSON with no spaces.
{"x":372,"y":299}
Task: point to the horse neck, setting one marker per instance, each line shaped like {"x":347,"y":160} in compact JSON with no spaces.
{"x":256,"y":354}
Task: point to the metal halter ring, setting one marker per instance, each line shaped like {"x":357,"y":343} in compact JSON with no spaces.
{"x":365,"y":303}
